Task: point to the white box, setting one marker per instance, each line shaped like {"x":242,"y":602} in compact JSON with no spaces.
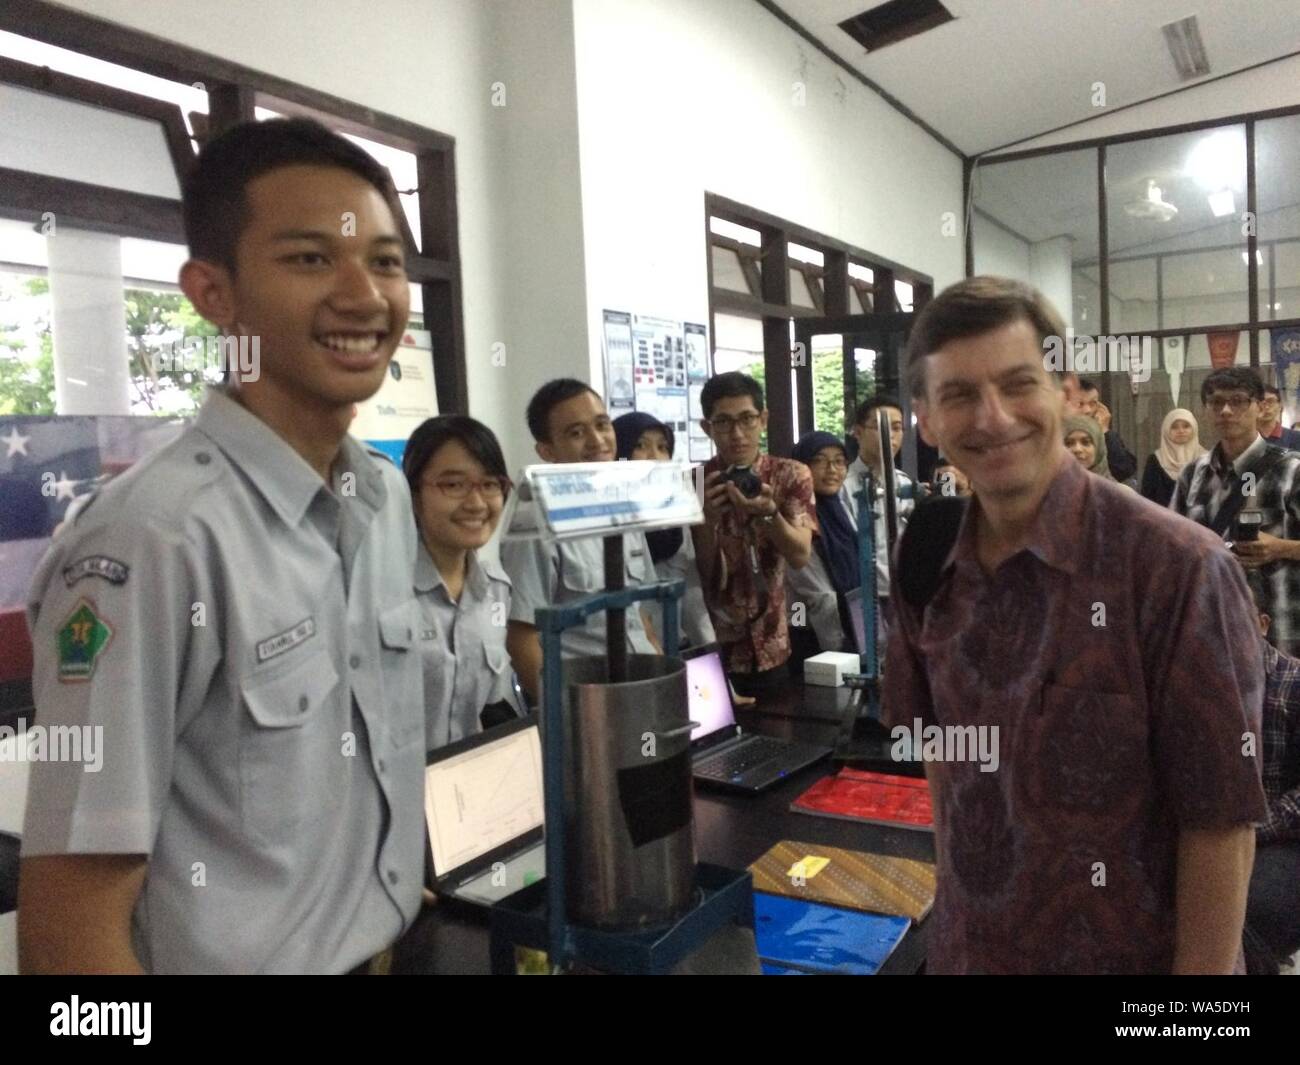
{"x":828,"y":668}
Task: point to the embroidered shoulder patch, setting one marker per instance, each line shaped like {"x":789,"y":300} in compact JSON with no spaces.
{"x":81,"y":641}
{"x":110,"y":569}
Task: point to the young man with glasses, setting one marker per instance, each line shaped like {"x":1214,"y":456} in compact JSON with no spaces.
{"x":759,"y":518}
{"x":1246,"y":484}
{"x":1270,"y":421}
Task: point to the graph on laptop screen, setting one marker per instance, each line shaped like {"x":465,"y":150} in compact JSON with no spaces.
{"x":709,"y":699}
{"x":483,"y":798}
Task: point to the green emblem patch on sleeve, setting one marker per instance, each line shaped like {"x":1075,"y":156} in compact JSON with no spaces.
{"x":81,"y":641}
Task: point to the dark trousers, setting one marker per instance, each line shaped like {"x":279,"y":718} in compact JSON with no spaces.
{"x":1273,"y":904}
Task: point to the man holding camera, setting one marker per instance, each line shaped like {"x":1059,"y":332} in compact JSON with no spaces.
{"x":1248,"y":491}
{"x":758,"y":517}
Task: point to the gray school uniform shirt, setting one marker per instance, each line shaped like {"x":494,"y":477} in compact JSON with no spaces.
{"x":463,"y":645}
{"x":245,"y":638}
{"x":552,"y":574}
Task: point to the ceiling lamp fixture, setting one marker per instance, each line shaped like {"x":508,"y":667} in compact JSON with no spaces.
{"x":1183,"y":39}
{"x":1152,"y":206}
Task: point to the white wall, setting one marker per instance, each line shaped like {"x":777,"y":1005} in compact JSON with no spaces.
{"x":998,"y":251}
{"x":680,"y":97}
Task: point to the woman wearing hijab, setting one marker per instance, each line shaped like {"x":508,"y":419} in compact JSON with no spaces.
{"x":640,"y":436}
{"x":1084,"y":440}
{"x":1179,"y":444}
{"x":817,"y":591}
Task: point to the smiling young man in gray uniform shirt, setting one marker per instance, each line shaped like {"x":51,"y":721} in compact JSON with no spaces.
{"x":569,"y":423}
{"x":245,"y":634}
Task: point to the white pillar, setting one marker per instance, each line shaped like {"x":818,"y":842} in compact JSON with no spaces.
{"x":89,"y":323}
{"x":1050,"y":266}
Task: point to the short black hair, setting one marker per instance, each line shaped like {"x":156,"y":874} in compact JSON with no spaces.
{"x":1088,"y":384}
{"x":547,"y":398}
{"x":429,"y":438}
{"x":214,"y":199}
{"x":1273,"y":390}
{"x":874,"y":402}
{"x":726,"y":385}
{"x":1231,"y":377}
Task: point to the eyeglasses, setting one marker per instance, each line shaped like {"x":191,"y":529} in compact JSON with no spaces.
{"x":1238,"y":401}
{"x":820,"y":463}
{"x":459,"y":487}
{"x":723,"y":425}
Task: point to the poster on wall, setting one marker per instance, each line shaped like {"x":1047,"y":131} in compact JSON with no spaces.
{"x":698,"y":370}
{"x":406,"y":398}
{"x":620,"y":396}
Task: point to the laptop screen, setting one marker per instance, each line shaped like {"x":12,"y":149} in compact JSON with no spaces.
{"x":709,"y":698}
{"x":483,"y":798}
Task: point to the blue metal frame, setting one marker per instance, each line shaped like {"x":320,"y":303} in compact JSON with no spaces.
{"x":551,"y":623}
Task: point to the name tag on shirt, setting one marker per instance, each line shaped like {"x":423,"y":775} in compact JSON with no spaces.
{"x":287,"y":640}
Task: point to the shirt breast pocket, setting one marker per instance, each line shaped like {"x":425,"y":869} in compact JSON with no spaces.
{"x":1085,"y":751}
{"x":401,"y":673}
{"x":288,"y":747}
{"x":577,"y":577}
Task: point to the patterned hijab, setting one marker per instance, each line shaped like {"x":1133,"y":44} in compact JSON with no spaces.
{"x":1076,"y":423}
{"x":1174,"y":457}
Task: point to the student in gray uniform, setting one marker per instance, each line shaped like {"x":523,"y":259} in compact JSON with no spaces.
{"x":642,"y":436}
{"x":569,"y":424}
{"x":459,"y":487}
{"x":235,"y":614}
{"x":815,"y":593}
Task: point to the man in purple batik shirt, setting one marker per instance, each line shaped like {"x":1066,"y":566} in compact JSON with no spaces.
{"x":1103,"y":638}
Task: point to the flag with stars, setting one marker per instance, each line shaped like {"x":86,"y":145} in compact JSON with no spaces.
{"x":47,"y":462}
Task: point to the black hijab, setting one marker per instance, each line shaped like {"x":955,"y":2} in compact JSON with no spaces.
{"x":664,"y":543}
{"x":838,"y":542}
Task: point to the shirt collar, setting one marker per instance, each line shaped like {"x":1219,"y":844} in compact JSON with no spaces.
{"x":1271,"y":657}
{"x":1219,"y":464}
{"x":280,"y":474}
{"x":428,"y":577}
{"x":1064,"y":506}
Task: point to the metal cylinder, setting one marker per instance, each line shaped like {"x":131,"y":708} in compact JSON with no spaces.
{"x":629,"y":829}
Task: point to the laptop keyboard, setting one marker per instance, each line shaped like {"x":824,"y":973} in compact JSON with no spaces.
{"x":733,"y":763}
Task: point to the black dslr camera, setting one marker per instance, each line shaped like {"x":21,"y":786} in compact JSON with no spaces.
{"x":745,"y":479}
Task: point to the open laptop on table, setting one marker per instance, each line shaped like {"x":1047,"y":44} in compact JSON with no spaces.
{"x":720,"y":755}
{"x":483,"y":811}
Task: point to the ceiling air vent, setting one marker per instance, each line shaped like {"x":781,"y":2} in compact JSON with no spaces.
{"x":1184,"y":41}
{"x":895,"y":21}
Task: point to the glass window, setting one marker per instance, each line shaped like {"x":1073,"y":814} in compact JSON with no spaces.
{"x":47,"y":134}
{"x":727,"y":272}
{"x":1036,"y":220}
{"x":1177,"y":201}
{"x":1277,"y":184}
{"x":800,"y":296}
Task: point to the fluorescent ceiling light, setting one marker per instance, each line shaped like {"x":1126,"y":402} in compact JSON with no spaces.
{"x":1222,"y":204}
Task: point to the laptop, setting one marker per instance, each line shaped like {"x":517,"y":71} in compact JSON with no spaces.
{"x":720,"y":755}
{"x":483,"y":810}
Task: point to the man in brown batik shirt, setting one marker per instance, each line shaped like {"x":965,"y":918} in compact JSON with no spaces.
{"x":1106,"y":640}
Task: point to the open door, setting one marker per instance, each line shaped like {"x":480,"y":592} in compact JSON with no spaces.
{"x":871,"y":343}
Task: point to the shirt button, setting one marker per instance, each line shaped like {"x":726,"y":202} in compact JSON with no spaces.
{"x":354,"y":661}
{"x":202,"y":458}
{"x":392,"y":876}
{"x":302,"y":703}
{"x":382,"y":766}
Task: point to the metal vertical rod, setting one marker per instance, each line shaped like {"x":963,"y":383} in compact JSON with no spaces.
{"x":615,"y":618}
